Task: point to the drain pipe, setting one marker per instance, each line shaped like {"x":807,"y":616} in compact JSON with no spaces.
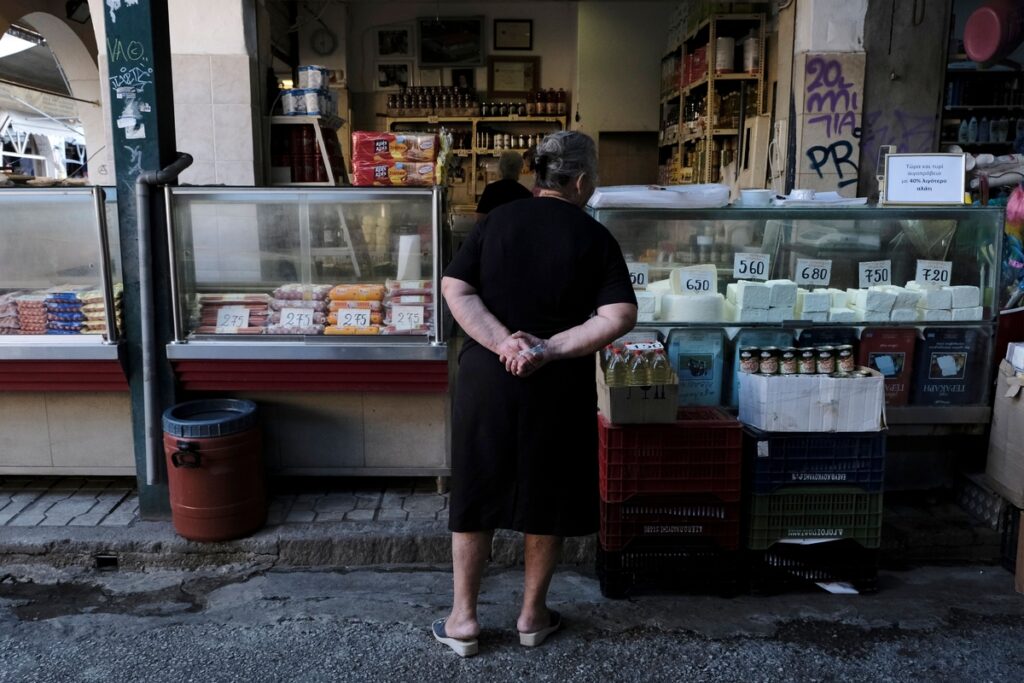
{"x":151,"y":417}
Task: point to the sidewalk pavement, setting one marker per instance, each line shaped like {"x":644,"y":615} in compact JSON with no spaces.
{"x":84,"y":521}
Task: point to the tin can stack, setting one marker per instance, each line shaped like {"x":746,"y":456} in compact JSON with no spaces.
{"x":671,"y":504}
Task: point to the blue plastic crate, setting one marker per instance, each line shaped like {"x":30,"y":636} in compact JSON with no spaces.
{"x":777,"y":460}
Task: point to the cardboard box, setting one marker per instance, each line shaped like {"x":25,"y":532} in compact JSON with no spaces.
{"x":1005,"y":468}
{"x":637,"y":405}
{"x":812,"y":403}
{"x":393,"y":174}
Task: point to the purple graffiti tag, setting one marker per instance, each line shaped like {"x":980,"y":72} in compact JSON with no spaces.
{"x":908,"y":132}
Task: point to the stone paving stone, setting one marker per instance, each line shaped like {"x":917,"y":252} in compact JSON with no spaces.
{"x":391,"y":515}
{"x":300,"y":516}
{"x":362,"y":515}
{"x":332,"y":516}
{"x":124,"y":514}
{"x":5,"y":500}
{"x":6,"y":517}
{"x":336,"y":501}
{"x":26,"y":520}
{"x":422,"y":515}
{"x":392,"y":500}
{"x":303,"y":505}
{"x":44,"y":502}
{"x":106,"y":501}
{"x":420,"y":502}
{"x":367,"y":502}
{"x":72,"y":507}
{"x":55,"y":521}
{"x":309,"y":497}
{"x":90,"y":519}
{"x":19,"y":501}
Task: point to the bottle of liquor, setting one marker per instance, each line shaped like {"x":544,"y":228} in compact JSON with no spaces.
{"x":531,"y":103}
{"x":561,"y":102}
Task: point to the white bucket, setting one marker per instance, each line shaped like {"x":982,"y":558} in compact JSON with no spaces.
{"x":751,"y":54}
{"x":725,"y":55}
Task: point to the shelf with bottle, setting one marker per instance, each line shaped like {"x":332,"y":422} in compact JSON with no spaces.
{"x":702,"y":27}
{"x":982,"y":131}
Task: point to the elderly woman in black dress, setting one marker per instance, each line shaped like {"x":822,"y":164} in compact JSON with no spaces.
{"x":538,"y":287}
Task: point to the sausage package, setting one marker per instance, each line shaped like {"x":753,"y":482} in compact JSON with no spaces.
{"x":393,"y":174}
{"x":373,"y":147}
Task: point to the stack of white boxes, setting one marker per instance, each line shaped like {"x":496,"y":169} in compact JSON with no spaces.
{"x":773,"y":301}
{"x":939,"y":304}
{"x":915,"y":302}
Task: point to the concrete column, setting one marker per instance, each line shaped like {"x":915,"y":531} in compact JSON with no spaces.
{"x":828,"y":93}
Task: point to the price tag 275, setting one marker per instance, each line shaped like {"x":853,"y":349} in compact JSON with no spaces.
{"x":750,"y":266}
{"x":356,"y":317}
{"x":813,"y":272}
{"x":297,"y":317}
{"x":230,"y":318}
{"x":638,"y":275}
{"x":934,"y":272}
{"x":407,"y":317}
{"x":874,"y":273}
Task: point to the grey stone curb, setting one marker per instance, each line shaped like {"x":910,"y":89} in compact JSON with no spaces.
{"x":146,"y":545}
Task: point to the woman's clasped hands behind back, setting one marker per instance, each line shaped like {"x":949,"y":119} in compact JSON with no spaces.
{"x":522,"y":353}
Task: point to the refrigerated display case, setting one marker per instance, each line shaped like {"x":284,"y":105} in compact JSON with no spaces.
{"x":64,"y":406}
{"x":322,"y":304}
{"x":691,"y":262}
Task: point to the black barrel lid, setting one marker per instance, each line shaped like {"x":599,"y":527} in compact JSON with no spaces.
{"x":209,"y":418}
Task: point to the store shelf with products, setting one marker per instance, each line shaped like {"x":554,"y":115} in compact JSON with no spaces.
{"x":694,"y":260}
{"x":474,"y":136}
{"x":321,"y":304}
{"x":305,"y":151}
{"x":721,"y":85}
{"x":983,"y":107}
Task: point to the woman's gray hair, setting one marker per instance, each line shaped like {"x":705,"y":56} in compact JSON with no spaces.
{"x":510,"y":165}
{"x":563,"y":157}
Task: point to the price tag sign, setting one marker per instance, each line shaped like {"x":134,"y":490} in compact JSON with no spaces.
{"x":230,"y":318}
{"x":934,"y":272}
{"x":750,"y":266}
{"x":697,"y":280}
{"x":431,"y":119}
{"x":356,"y":317}
{"x":813,"y":271}
{"x":875,"y":273}
{"x":407,"y":317}
{"x":297,"y":317}
{"x":638,"y":275}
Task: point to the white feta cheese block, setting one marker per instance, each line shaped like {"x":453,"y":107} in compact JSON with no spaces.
{"x":647,"y":306}
{"x":934,"y":298}
{"x":661,"y":286}
{"x":816,"y":316}
{"x":972,"y":313}
{"x":730,"y":292}
{"x":752,"y":294}
{"x":906,"y":299}
{"x":838,"y":297}
{"x":964,"y":296}
{"x":861,"y":315}
{"x":751,"y":315}
{"x":875,"y":300}
{"x":903,"y":315}
{"x":935,"y":314}
{"x":812,"y":302}
{"x":782,"y":293}
{"x":779,"y":314}
{"x":842,"y":315}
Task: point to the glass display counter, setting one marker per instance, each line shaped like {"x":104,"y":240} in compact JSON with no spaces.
{"x":64,"y":402}
{"x":913,"y":291}
{"x":321,"y":304}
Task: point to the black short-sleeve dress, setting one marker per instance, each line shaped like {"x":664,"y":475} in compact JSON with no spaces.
{"x":524,"y":450}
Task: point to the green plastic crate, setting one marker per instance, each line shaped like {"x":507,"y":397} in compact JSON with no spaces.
{"x":816,"y":513}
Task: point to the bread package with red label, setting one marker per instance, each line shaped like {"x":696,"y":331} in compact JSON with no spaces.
{"x":373,"y":147}
{"x":393,"y":174}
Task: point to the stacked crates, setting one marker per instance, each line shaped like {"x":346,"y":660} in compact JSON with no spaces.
{"x":816,"y":486}
{"x":670,"y":503}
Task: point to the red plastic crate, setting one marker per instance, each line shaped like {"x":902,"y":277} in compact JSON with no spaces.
{"x":700,"y":453}
{"x":690,"y":519}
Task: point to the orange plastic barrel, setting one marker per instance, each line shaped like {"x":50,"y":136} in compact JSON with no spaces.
{"x":215,"y":469}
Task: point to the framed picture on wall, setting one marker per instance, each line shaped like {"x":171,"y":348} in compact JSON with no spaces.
{"x":451,"y":41}
{"x":513,"y":34}
{"x":392,"y":75}
{"x":464,"y":78}
{"x":512,"y":76}
{"x":394,"y":42}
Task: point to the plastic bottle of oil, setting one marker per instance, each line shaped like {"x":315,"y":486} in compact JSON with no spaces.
{"x":661,"y":372}
{"x":617,"y":373}
{"x":639,"y":369}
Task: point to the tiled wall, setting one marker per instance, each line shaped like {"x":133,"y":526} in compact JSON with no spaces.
{"x":214,"y":110}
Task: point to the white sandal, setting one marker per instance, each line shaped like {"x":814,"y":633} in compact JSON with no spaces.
{"x":463,"y":648}
{"x":538,"y":637}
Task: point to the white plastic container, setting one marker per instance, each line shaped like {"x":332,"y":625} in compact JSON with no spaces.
{"x":751,"y":55}
{"x":725,"y":55}
{"x":313,"y":76}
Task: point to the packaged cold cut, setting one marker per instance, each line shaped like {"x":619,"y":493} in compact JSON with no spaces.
{"x":295,"y":329}
{"x":372,"y":147}
{"x":358,"y":305}
{"x":419,"y":329}
{"x":358,"y":292}
{"x":409,"y":300}
{"x":393,"y":174}
{"x":318,"y":305}
{"x":302,"y":292}
{"x":371,"y":330}
{"x":409,"y":287}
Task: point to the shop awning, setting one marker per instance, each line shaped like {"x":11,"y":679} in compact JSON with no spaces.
{"x":35,"y":124}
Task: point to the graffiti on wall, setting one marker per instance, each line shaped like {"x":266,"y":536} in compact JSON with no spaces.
{"x":833,"y":94}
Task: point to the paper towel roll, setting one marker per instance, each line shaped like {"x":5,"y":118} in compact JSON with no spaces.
{"x":408,"y":257}
{"x":692,"y":308}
